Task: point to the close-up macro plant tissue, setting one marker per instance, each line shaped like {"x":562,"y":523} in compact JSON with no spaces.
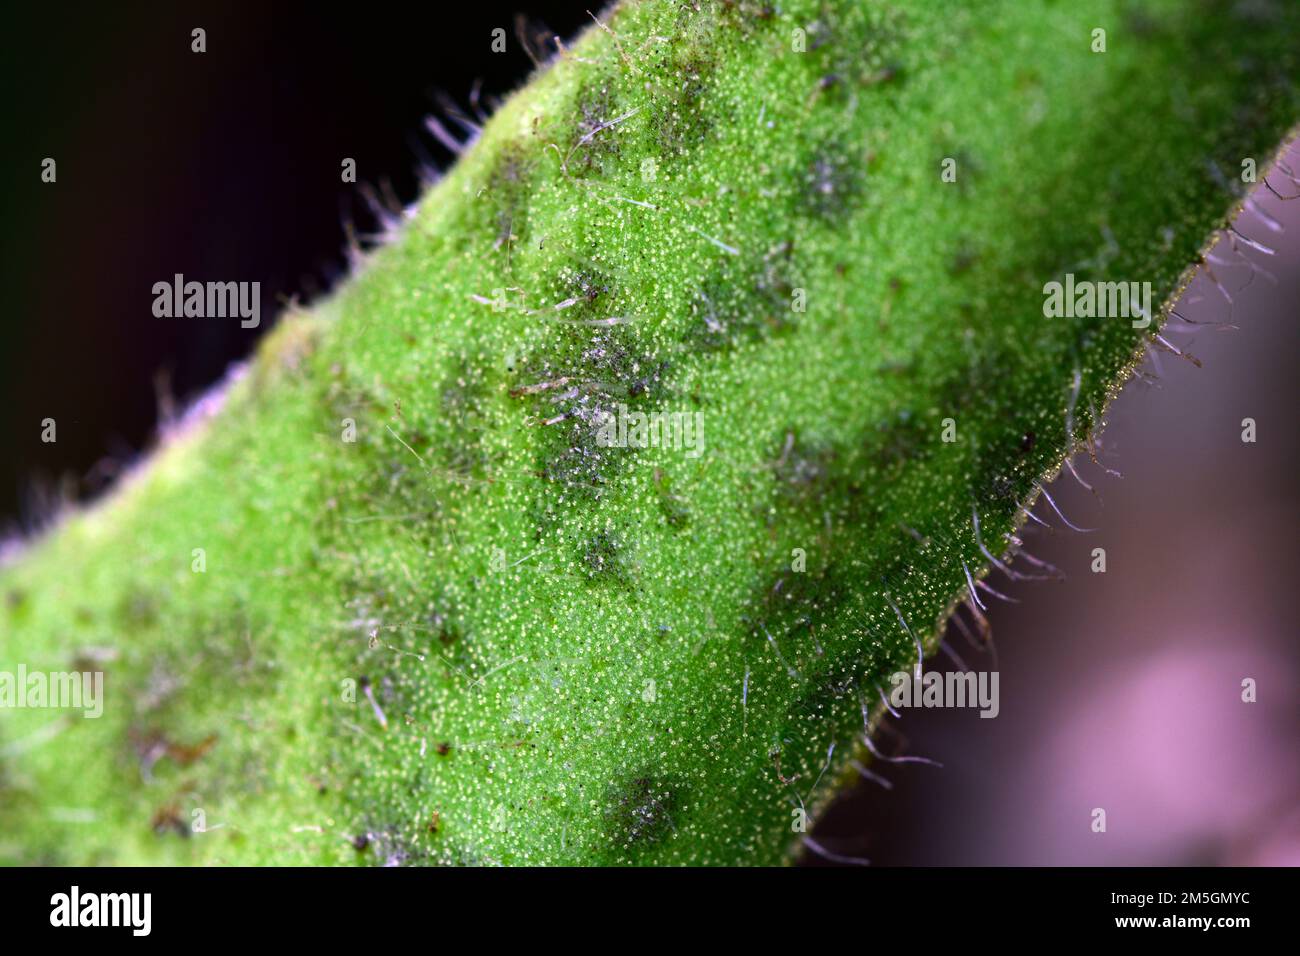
{"x":737,"y":433}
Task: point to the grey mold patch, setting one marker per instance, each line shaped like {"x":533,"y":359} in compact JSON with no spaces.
{"x":604,"y":557}
{"x":833,"y":181}
{"x":639,"y":812}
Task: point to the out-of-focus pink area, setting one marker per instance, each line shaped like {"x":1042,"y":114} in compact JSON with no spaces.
{"x":1171,"y":753}
{"x":1123,"y":690}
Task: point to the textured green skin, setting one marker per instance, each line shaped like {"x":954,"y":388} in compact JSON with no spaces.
{"x":924,"y":302}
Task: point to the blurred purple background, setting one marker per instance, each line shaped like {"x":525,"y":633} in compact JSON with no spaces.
{"x":1123,"y":690}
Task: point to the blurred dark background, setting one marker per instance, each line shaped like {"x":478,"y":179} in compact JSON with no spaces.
{"x":223,"y":165}
{"x":1118,"y":690}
